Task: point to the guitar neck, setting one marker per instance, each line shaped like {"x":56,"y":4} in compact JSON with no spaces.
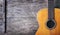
{"x":50,"y":9}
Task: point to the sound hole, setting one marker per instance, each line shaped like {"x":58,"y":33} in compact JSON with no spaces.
{"x":50,"y":24}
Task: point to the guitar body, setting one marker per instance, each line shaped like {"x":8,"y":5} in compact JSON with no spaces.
{"x":42,"y":18}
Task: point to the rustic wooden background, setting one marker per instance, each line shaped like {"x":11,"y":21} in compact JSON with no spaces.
{"x":21,"y":16}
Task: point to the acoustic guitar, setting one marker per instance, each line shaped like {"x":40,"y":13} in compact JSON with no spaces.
{"x":49,"y":20}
